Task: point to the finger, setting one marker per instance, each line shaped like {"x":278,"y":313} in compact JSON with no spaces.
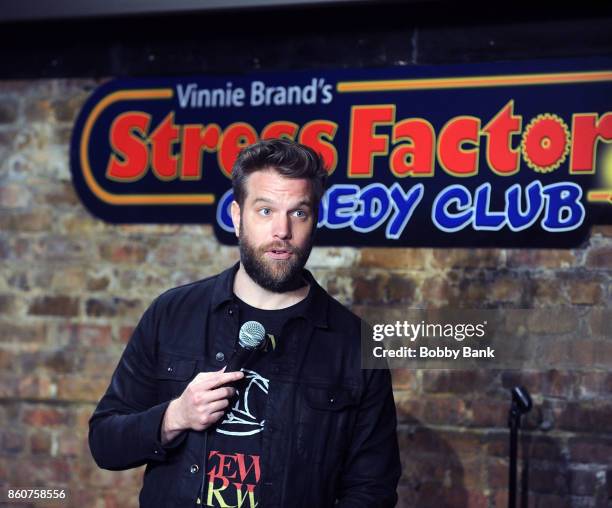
{"x":217,"y":405}
{"x":216,"y":416}
{"x":219,"y":379}
{"x":224,"y":392}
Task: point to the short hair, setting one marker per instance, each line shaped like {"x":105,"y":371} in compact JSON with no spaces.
{"x":288,"y":158}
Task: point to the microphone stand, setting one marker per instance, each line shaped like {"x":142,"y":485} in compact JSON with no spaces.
{"x":521,"y":404}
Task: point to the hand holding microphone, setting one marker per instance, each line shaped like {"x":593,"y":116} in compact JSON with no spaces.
{"x":204,"y":401}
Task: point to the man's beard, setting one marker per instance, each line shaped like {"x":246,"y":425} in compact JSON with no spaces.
{"x":276,"y":275}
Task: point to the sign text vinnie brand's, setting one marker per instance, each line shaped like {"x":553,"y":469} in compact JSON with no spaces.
{"x":486,"y":155}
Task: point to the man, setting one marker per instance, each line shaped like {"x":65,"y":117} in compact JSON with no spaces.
{"x":302,"y":425}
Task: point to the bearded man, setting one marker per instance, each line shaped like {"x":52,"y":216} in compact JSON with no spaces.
{"x":301,"y":424}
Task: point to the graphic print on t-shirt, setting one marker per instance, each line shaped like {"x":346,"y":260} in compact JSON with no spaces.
{"x":232,"y":479}
{"x":233,"y":466}
{"x":243,"y":419}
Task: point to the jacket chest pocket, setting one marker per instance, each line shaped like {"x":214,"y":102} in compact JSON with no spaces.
{"x":324,"y":422}
{"x":173,"y":374}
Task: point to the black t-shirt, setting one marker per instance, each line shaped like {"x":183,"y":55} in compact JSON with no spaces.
{"x":233,"y":464}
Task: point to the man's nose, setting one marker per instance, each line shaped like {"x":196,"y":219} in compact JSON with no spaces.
{"x":282,"y":227}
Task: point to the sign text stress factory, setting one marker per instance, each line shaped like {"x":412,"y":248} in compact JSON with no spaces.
{"x":487,"y":155}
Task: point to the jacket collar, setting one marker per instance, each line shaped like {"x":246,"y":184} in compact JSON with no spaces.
{"x":315,"y":312}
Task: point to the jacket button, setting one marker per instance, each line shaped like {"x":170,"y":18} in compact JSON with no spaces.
{"x":219,"y":356}
{"x":194,"y":468}
{"x":170,"y":369}
{"x":230,"y":311}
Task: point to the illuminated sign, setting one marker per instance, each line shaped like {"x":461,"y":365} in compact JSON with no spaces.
{"x":513,"y":154}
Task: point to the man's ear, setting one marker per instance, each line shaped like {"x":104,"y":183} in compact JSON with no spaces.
{"x":235,"y":210}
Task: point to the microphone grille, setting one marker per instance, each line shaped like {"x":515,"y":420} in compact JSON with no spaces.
{"x":251,"y":335}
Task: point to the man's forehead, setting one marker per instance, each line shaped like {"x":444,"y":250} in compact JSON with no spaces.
{"x":270,"y":184}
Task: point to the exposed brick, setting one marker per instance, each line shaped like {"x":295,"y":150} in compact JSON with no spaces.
{"x":8,"y":304}
{"x":369,"y":289}
{"x":59,"y":194}
{"x":591,"y":450}
{"x":549,"y":481}
{"x":467,"y":258}
{"x":404,"y":379}
{"x":66,"y":110}
{"x":39,"y":111}
{"x":601,"y":230}
{"x":400,"y":290}
{"x":98,"y":307}
{"x":34,"y":385}
{"x":12,"y":442}
{"x":54,"y":306}
{"x":488,"y":413}
{"x":40,"y":442}
{"x":74,"y":387}
{"x":585,"y":293}
{"x":582,"y":483}
{"x":393,"y":258}
{"x":14,"y":196}
{"x":575,"y":416}
{"x":506,"y":289}
{"x":548,"y":292}
{"x":438,"y":291}
{"x":599,"y":257}
{"x":22,"y":333}
{"x":45,"y":416}
{"x":8,"y":110}
{"x":599,"y":323}
{"x":85,"y":336}
{"x":123,"y":252}
{"x":540,"y":258}
{"x":445,"y":411}
{"x":95,"y":283}
{"x":27,"y":221}
{"x":125,"y":332}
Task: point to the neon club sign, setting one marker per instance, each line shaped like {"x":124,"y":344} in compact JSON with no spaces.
{"x":477,"y":155}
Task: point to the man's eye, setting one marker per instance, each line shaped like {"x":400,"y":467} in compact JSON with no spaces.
{"x":300,"y":214}
{"x":265,"y":211}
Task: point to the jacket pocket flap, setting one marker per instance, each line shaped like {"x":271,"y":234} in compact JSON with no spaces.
{"x":175,"y":368}
{"x":329,"y":399}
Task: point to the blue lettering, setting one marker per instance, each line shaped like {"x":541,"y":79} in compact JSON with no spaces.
{"x":404,"y":206}
{"x":375,"y":208}
{"x":517,"y":219}
{"x":564,"y":211}
{"x":443,"y":218}
{"x":224,"y":217}
{"x":484,"y":219}
{"x":341,"y":204}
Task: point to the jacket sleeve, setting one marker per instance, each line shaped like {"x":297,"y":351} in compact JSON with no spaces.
{"x":124,"y":430}
{"x":372,"y":468}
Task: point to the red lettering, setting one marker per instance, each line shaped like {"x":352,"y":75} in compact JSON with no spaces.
{"x":502,"y":158}
{"x":317,"y":135}
{"x":416,"y":156}
{"x":587,"y":130}
{"x":165,"y":163}
{"x":130,"y":157}
{"x":364,"y":143}
{"x":455,"y":159}
{"x":236,"y":137}
{"x":196,"y":138}
{"x":243,"y":470}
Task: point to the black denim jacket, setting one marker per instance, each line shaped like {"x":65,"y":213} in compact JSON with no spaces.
{"x":330,"y":432}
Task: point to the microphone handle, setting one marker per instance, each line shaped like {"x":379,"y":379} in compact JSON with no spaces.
{"x":239,"y":359}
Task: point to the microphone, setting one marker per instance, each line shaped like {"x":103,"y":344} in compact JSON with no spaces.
{"x":251,"y":336}
{"x":521,"y":398}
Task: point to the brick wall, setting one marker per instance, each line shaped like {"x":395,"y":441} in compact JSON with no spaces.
{"x":72,"y":287}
